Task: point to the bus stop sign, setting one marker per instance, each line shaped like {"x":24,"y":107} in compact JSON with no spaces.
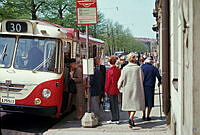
{"x":86,"y":12}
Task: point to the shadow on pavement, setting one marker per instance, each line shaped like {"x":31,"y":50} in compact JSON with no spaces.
{"x":155,"y":122}
{"x":27,"y":123}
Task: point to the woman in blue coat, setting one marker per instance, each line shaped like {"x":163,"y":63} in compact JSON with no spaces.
{"x":150,"y":74}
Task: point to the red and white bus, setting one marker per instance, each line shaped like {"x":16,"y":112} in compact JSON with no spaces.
{"x":32,"y":64}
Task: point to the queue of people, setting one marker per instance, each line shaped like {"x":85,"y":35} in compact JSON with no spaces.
{"x":134,"y":80}
{"x":136,"y":83}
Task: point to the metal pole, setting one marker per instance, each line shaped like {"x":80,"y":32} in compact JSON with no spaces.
{"x":165,"y":59}
{"x":160,"y":102}
{"x":88,"y":77}
{"x":0,"y":121}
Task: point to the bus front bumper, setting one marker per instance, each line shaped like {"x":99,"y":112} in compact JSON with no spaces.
{"x":35,"y":110}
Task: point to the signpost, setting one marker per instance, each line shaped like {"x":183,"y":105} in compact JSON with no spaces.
{"x":86,"y":14}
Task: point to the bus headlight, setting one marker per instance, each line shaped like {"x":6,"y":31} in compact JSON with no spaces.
{"x":46,"y":93}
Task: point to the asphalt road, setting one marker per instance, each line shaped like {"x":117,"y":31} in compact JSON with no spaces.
{"x":23,"y":124}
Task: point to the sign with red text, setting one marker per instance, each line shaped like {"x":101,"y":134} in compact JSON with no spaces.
{"x":86,"y":12}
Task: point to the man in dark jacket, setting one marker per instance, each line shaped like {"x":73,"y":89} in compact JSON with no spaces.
{"x":103,"y":79}
{"x":96,"y":88}
{"x":150,"y":74}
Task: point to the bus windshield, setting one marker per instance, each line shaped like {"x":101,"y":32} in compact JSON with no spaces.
{"x":7,"y":45}
{"x":36,"y":54}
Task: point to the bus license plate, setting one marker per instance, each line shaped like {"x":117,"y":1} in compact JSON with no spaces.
{"x":7,"y":100}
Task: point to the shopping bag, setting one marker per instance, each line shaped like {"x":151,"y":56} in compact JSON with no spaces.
{"x":106,"y":104}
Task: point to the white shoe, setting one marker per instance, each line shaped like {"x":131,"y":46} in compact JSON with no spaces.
{"x":116,"y":122}
{"x":109,"y":122}
{"x":112,"y":122}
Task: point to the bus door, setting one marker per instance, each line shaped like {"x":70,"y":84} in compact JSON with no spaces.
{"x":94,"y":51}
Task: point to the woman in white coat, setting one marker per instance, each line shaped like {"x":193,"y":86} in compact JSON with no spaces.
{"x":131,"y":85}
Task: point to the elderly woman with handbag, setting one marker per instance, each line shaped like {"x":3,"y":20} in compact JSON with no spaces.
{"x":131,"y":85}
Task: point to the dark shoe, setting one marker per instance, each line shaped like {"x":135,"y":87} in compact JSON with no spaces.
{"x":148,"y":118}
{"x":131,"y":123}
{"x":143,"y":118}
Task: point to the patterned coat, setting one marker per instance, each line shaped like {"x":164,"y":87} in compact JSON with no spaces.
{"x":131,"y":85}
{"x":80,"y":104}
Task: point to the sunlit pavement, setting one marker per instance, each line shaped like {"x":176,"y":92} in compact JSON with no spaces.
{"x":157,"y":126}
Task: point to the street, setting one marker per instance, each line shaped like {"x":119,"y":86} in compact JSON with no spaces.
{"x":21,"y":124}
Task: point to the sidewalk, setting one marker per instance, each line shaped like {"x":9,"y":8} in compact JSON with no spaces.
{"x":156,"y":126}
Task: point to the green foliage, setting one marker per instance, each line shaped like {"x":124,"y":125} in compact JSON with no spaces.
{"x":20,"y":9}
{"x":63,"y":12}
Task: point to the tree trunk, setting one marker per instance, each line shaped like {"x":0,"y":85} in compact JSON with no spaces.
{"x":113,"y":39}
{"x":60,"y":12}
{"x":33,"y":11}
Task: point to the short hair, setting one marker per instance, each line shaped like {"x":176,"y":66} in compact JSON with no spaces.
{"x":131,"y":57}
{"x":112,"y":60}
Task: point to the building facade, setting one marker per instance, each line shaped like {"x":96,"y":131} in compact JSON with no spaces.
{"x":179,"y":38}
{"x":152,"y":44}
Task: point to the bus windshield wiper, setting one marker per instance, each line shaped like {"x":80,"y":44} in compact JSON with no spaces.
{"x":40,"y":65}
{"x":4,"y":52}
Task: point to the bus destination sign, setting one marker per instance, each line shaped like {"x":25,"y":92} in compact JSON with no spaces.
{"x":18,"y":27}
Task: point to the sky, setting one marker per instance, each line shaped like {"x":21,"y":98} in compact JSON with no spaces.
{"x":135,"y":14}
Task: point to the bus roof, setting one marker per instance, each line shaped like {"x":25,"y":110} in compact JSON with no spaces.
{"x":33,"y":28}
{"x":41,"y":28}
{"x":91,"y":39}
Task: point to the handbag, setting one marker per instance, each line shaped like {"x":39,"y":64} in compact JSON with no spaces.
{"x":72,"y":86}
{"x":106,"y":104}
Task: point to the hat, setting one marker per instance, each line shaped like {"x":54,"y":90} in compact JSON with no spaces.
{"x":72,"y":60}
{"x":148,"y":60}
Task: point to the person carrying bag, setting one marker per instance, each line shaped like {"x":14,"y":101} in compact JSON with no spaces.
{"x":112,"y":77}
{"x":106,"y":104}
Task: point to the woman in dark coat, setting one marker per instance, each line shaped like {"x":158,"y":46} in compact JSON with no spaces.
{"x":150,"y":74}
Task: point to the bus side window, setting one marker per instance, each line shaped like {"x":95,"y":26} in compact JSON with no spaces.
{"x":61,"y":58}
{"x":68,"y":52}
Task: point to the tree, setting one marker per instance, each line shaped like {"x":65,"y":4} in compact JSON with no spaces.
{"x":35,"y":6}
{"x":21,"y":9}
{"x":56,"y":10}
{"x":8,"y":9}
